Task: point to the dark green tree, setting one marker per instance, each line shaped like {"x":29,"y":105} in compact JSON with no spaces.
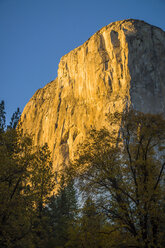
{"x":42,"y":183}
{"x":26,"y":180}
{"x":90,"y":225}
{"x":14,"y":207}
{"x":125,"y":170}
{"x":14,"y":119}
{"x":62,"y":211}
{"x":2,"y":116}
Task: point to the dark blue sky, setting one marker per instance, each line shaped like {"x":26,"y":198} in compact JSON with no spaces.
{"x":35,"y":34}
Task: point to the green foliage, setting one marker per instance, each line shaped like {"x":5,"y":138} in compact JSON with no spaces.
{"x":29,"y":216}
{"x":13,"y":225}
{"x":26,"y":180}
{"x":42,"y":177}
{"x":14,"y":119}
{"x":87,"y":231}
{"x":125,"y":173}
{"x":92,"y":230}
{"x":2,"y":116}
{"x":62,"y":213}
{"x":121,"y":173}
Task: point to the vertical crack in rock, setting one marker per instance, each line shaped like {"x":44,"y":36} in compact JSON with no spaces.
{"x":122,"y":65}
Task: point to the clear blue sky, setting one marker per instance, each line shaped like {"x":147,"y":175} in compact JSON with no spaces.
{"x":35,"y":34}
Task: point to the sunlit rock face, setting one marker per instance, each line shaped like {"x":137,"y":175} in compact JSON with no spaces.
{"x":121,"y":65}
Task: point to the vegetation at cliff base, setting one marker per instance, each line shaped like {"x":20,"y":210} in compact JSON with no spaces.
{"x":123,"y":171}
{"x":30,"y":216}
{"x":112,"y":195}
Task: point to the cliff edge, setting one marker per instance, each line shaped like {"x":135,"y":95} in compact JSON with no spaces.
{"x":121,"y":65}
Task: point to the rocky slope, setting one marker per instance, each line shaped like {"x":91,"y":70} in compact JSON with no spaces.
{"x":121,"y":65}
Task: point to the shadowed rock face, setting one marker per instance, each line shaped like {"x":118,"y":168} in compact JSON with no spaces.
{"x":121,"y":65}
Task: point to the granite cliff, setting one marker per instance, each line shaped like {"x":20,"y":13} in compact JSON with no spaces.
{"x":121,"y":65}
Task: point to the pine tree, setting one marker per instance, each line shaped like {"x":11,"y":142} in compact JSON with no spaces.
{"x":2,"y":116}
{"x":14,"y":119}
{"x":62,"y":212}
{"x":26,"y":180}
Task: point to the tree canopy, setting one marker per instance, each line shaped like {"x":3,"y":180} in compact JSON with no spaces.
{"x":124,"y":171}
{"x":26,"y":180}
{"x":120,"y":176}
